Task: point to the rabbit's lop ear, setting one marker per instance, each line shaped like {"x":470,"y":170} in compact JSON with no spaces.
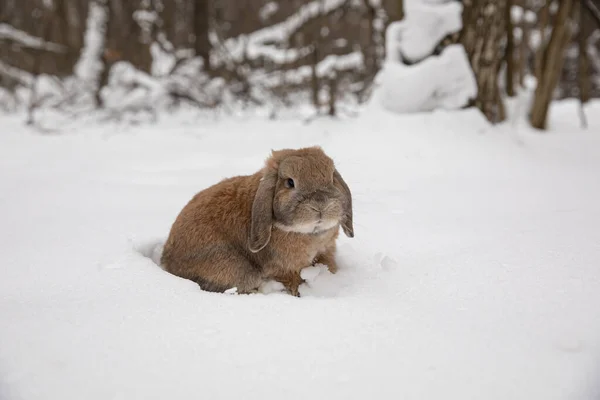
{"x":347,"y":219}
{"x":262,"y":213}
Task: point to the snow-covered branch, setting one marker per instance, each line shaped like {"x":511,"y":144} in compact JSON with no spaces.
{"x":24,"y":39}
{"x":328,"y":67}
{"x":266,"y":42}
{"x":24,"y":78}
{"x":594,"y":10}
{"x":268,"y":10}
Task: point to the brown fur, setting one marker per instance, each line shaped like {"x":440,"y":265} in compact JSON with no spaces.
{"x":240,"y":231}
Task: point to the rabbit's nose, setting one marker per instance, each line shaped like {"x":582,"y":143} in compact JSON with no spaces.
{"x":317,"y":209}
{"x":320,"y":198}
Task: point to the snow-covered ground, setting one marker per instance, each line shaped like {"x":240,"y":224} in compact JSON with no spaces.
{"x":474,"y":272}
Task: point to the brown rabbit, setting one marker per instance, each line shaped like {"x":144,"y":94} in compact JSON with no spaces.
{"x":246,"y":230}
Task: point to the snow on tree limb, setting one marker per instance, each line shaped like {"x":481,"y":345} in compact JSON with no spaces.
{"x":328,"y":67}
{"x":268,"y":10}
{"x":593,"y":10}
{"x":9,"y":33}
{"x":254,"y":45}
{"x":17,"y":74}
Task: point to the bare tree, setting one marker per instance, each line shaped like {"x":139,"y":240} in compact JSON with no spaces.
{"x":552,"y":63}
{"x":484,"y":27}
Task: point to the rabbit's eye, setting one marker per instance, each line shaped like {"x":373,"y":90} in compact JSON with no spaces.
{"x":290,"y":183}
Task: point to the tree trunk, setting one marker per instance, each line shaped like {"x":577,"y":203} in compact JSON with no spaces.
{"x":510,"y":51}
{"x":400,"y":9}
{"x":552,"y":63}
{"x":105,"y":62}
{"x":316,"y":56}
{"x":523,"y":53}
{"x":583,"y":70}
{"x":484,"y":26}
{"x":332,"y":95}
{"x":201,"y":27}
{"x":369,"y":51}
{"x":125,"y":40}
{"x":314,"y":77}
{"x":584,"y":67}
{"x":543,"y":24}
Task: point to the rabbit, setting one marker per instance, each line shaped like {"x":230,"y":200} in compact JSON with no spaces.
{"x":247,"y":230}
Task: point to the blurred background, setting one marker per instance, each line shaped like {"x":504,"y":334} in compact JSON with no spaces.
{"x":138,"y":57}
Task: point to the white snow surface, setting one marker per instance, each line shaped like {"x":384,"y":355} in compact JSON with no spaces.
{"x":474,"y":272}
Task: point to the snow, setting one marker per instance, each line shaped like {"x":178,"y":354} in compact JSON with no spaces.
{"x":516,"y":13}
{"x":21,"y":76}
{"x":535,"y":39}
{"x":473,"y":273}
{"x":530,"y":17}
{"x":424,"y":26}
{"x":163,"y":61}
{"x":253,"y":45}
{"x":445,"y":81}
{"x":268,"y":10}
{"x":146,"y":19}
{"x":8,"y":101}
{"x":124,"y":75}
{"x":518,"y":34}
{"x":327,"y":67}
{"x":89,"y":65}
{"x":8,"y":32}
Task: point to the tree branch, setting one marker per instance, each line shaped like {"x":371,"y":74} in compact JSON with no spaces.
{"x":593,"y":10}
{"x":24,"y":39}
